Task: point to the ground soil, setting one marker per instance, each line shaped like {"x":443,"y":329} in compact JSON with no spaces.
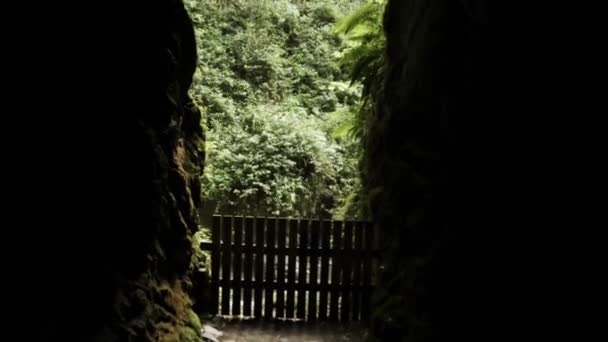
{"x":256,"y":331}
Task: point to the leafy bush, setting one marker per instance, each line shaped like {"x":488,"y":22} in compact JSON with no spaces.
{"x":271,"y":89}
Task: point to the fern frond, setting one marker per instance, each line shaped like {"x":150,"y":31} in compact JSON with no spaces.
{"x":366,"y":14}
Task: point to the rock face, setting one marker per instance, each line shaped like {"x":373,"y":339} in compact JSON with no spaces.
{"x":471,"y":163}
{"x":107,"y":150}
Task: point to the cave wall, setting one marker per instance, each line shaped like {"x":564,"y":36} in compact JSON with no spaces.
{"x":106,"y":152}
{"x":471,"y":164}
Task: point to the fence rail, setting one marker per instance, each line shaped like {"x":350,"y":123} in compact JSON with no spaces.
{"x":281,"y":268}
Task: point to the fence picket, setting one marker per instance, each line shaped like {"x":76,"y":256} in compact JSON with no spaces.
{"x":357,"y":265}
{"x":289,"y":268}
{"x":314,"y":265}
{"x":346,"y":271}
{"x":259,"y":267}
{"x":281,"y":255}
{"x":324,"y":282}
{"x":302,"y":263}
{"x":226,"y":258}
{"x":336,"y":262}
{"x":269,"y":290}
{"x":237,"y":262}
{"x":215,"y":264}
{"x":248,"y":266}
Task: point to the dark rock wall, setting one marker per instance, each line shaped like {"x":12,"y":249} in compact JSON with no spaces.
{"x":472,"y":161}
{"x":106,"y":152}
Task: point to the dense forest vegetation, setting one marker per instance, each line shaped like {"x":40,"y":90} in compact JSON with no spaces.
{"x":274,"y":83}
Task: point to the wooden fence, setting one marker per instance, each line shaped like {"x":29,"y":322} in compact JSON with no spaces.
{"x":276,"y":268}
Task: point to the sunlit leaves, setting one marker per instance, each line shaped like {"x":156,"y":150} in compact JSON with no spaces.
{"x":273,"y":94}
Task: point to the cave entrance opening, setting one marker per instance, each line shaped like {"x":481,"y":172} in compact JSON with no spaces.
{"x":279,"y":107}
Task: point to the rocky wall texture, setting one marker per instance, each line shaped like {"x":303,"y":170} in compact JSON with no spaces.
{"x":471,"y":168}
{"x":108,"y":155}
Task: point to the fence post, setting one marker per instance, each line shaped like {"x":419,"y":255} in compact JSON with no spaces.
{"x":291,"y":268}
{"x":259,"y":266}
{"x":237,"y":261}
{"x":336,"y":265}
{"x":225,"y":282}
{"x":325,"y":250}
{"x":357,"y":264}
{"x":314,"y":266}
{"x":269,"y":288}
{"x":302,"y":263}
{"x":215,"y":264}
{"x":248,"y":265}
{"x":281,"y":255}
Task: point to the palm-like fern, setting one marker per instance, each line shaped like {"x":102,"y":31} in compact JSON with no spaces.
{"x":366,"y":63}
{"x":364,"y":58}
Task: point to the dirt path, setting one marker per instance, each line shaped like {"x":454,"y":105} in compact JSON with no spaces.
{"x":252,"y":331}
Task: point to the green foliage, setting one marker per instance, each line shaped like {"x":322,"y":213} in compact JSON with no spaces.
{"x":200,"y":258}
{"x":275,"y":163}
{"x":364,"y":59}
{"x":276,"y":102}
